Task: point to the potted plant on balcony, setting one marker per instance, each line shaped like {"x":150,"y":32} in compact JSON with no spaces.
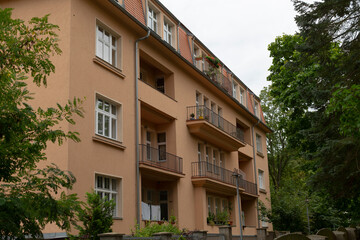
{"x":192,"y":116}
{"x":211,"y":219}
{"x":214,"y":65}
{"x":223,"y":217}
{"x":201,"y":113}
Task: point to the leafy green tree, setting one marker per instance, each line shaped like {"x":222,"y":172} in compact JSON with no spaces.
{"x":279,"y":155}
{"x":315,"y":78}
{"x":95,"y":216}
{"x":27,"y":193}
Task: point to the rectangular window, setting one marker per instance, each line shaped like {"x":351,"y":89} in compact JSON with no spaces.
{"x":256,"y":109}
{"x":234,"y":87}
{"x":210,"y":204}
{"x":148,"y":145}
{"x":258,"y":143}
{"x":199,"y":152}
{"x":108,"y":188}
{"x":261,"y":179}
{"x":106,"y":46}
{"x":208,"y":163}
{"x":106,"y":119}
{"x":167,"y":33}
{"x":160,"y":85}
{"x":242,"y":96}
{"x":161,"y":137}
{"x":152,"y":19}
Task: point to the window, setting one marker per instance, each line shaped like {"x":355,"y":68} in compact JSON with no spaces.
{"x":106,"y":46}
{"x":162,"y":146}
{"x":242,"y":96}
{"x":256,"y":109}
{"x":108,"y":188}
{"x":207,"y":150}
{"x":261,"y":179}
{"x":160,"y":85}
{"x":258,"y":143}
{"x":148,"y":145}
{"x":152,"y":19}
{"x":167,"y":33}
{"x":107,"y":118}
{"x":235,"y":86}
{"x":210,"y":203}
{"x":199,"y":152}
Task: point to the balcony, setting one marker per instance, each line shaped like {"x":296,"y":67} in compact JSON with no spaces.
{"x":215,"y":74}
{"x":249,"y":187}
{"x":160,"y":165}
{"x":219,"y":179}
{"x":212,"y":128}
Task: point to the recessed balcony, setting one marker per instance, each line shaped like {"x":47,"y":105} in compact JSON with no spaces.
{"x":214,"y":129}
{"x":160,"y":165}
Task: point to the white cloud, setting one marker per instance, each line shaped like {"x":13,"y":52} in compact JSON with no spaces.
{"x":238,"y":31}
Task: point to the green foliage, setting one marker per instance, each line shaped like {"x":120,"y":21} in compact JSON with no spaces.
{"x":27,"y":194}
{"x":315,"y":80}
{"x":152,"y":228}
{"x":95,"y":216}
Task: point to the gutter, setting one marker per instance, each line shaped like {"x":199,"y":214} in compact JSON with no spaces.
{"x":137,"y":125}
{"x":255,"y":169}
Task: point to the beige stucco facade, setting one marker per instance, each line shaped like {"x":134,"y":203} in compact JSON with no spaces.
{"x":185,"y":162}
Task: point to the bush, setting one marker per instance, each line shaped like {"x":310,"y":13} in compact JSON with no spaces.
{"x":152,"y":228}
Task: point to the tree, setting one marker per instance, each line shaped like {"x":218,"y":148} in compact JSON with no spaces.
{"x":315,"y":77}
{"x":27,"y":193}
{"x":96,"y":216}
{"x":279,"y":155}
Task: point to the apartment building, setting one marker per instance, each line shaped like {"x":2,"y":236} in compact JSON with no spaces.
{"x":166,"y":124}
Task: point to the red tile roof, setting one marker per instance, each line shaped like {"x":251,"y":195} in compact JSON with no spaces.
{"x":185,"y":49}
{"x":134,"y":7}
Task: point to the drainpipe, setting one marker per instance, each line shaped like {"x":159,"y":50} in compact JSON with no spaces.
{"x":137,"y":125}
{"x":255,"y":170}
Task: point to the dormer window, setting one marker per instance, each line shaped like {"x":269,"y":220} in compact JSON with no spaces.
{"x":256,"y":108}
{"x":167,"y":33}
{"x":152,"y":19}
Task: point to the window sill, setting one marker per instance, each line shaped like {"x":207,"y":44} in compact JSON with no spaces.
{"x":260,"y":154}
{"x":117,"y":218}
{"x":108,"y":141}
{"x":262,"y":190}
{"x":109,"y":67}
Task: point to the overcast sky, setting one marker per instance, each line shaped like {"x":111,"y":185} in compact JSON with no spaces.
{"x":238,"y":31}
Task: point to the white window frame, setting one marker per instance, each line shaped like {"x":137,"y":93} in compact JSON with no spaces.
{"x":109,"y":45}
{"x":261,"y":179}
{"x":110,"y":115}
{"x":168,"y":32}
{"x":111,"y":191}
{"x":235,"y":87}
{"x":259,"y":144}
{"x":242,"y":96}
{"x":256,"y":108}
{"x":153,"y":19}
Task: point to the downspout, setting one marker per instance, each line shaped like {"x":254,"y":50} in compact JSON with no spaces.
{"x":137,"y":125}
{"x":255,"y":170}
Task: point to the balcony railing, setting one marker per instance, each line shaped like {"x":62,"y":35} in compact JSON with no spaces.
{"x":159,"y":158}
{"x":202,"y":112}
{"x":215,"y":74}
{"x":248,"y":186}
{"x":208,"y":170}
{"x":205,"y":169}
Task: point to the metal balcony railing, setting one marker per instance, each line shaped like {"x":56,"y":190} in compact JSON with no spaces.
{"x":205,"y":169}
{"x":248,"y":186}
{"x":202,"y":112}
{"x":215,"y":74}
{"x":161,"y":159}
